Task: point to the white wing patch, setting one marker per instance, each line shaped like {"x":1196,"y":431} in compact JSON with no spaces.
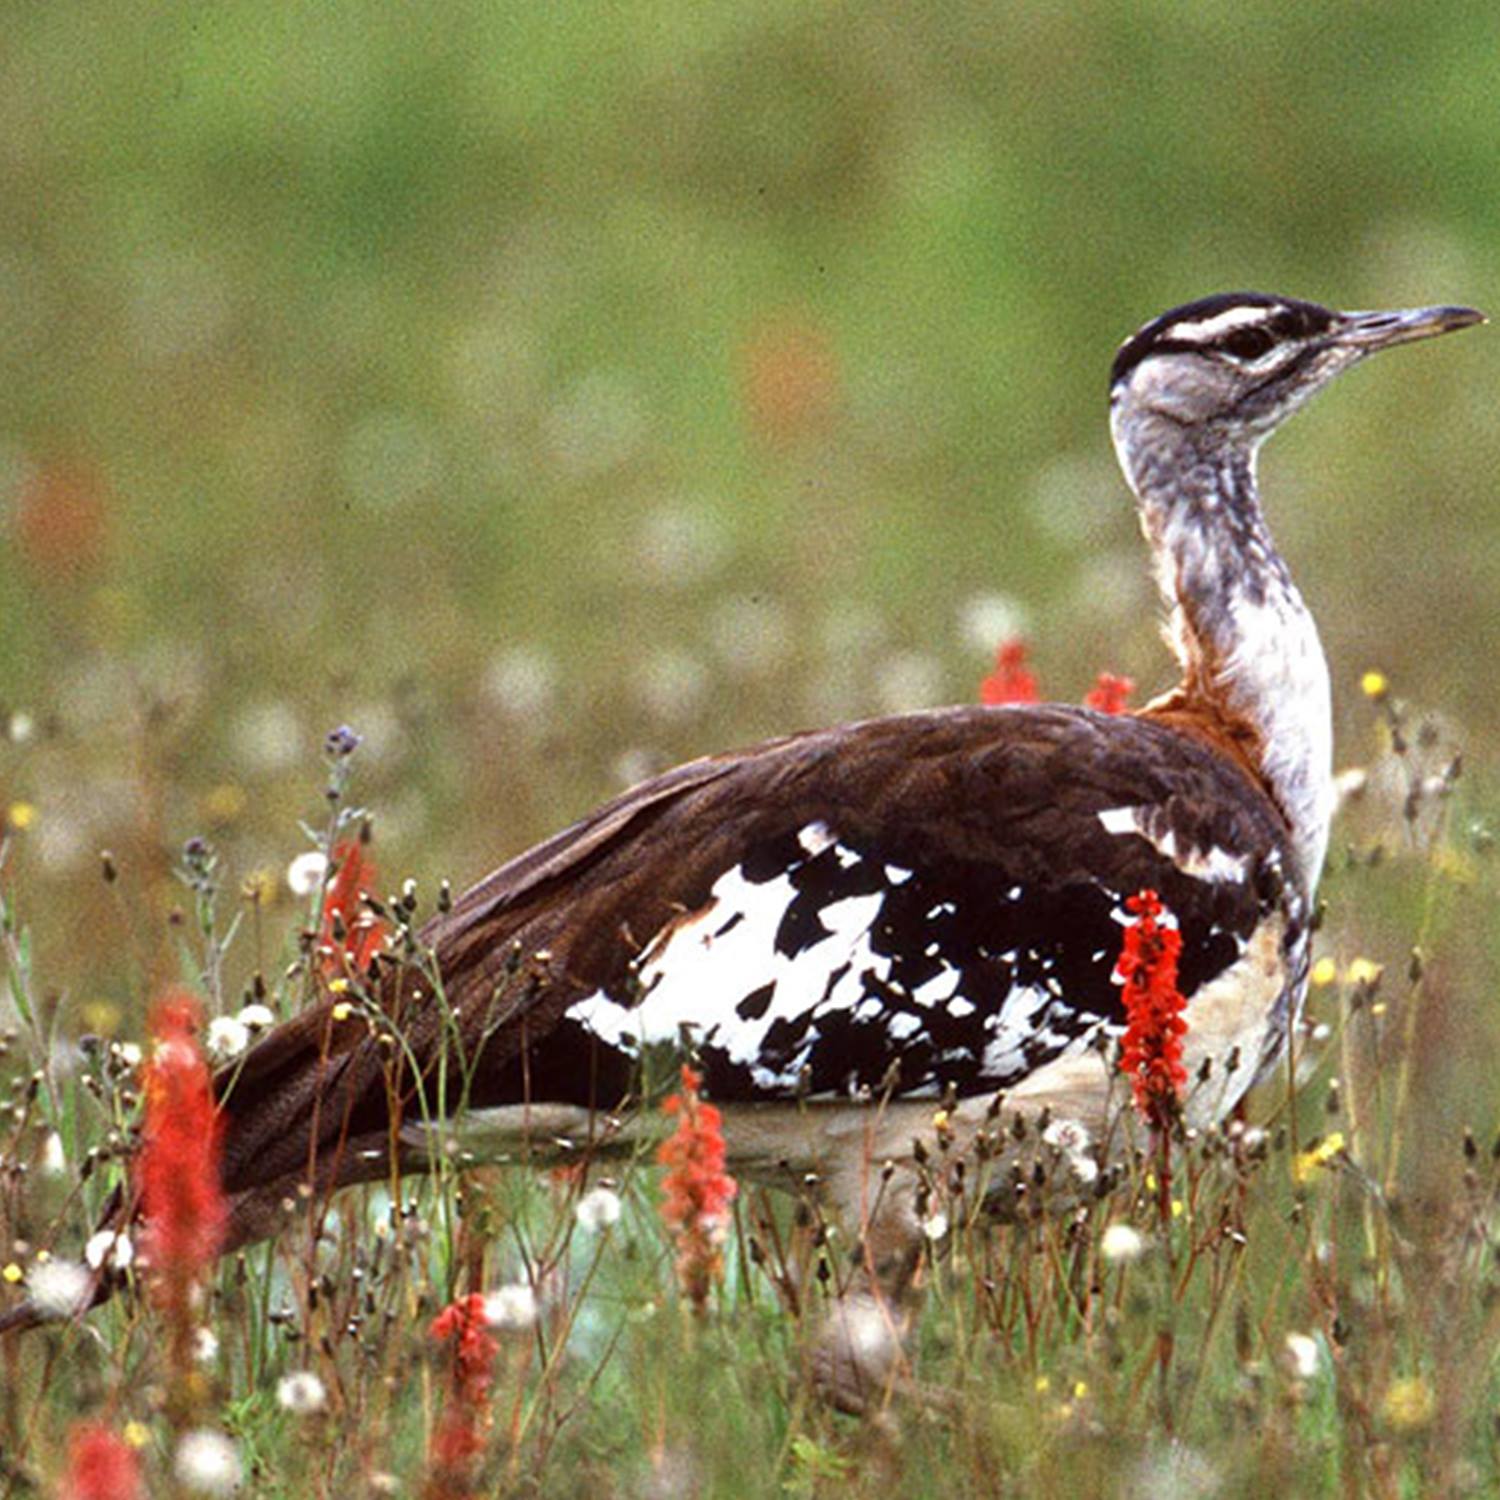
{"x":729,"y":949}
{"x":1213,"y":864}
{"x":719,"y":978}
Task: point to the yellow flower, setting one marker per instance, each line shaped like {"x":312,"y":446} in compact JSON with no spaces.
{"x":1324,"y":972}
{"x":338,"y":986}
{"x":1080,"y":1390}
{"x":1329,"y":1149}
{"x":102,"y":1017}
{"x":1363,"y":971}
{"x":21,"y":815}
{"x":259,"y":886}
{"x":13,"y":1273}
{"x":1374,"y":685}
{"x":136,"y":1434}
{"x":343,"y":1010}
{"x":1409,"y":1404}
{"x":1043,"y":1384}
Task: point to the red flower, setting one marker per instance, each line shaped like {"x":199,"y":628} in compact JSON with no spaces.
{"x":460,"y":1434}
{"x":178,"y":1167}
{"x":101,"y":1465}
{"x":1110,"y":694}
{"x":1151,"y":1051}
{"x":352,"y":934}
{"x":696,"y":1191}
{"x":1010,"y":682}
{"x":475,"y":1356}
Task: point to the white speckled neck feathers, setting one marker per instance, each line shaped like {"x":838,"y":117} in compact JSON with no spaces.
{"x":1247,"y":644}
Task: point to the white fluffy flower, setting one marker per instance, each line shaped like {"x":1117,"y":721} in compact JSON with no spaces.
{"x":1071,"y":1138}
{"x":1303,"y":1356}
{"x":599,"y":1208}
{"x":58,"y":1288}
{"x":305,"y":873}
{"x":54,"y":1162}
{"x":511,"y":1307}
{"x":227,"y":1037}
{"x":256,"y":1018}
{"x":1121,"y":1244}
{"x":301,"y":1392}
{"x":207,"y":1462}
{"x":205,"y":1346}
{"x":935,"y":1227}
{"x":109,"y":1248}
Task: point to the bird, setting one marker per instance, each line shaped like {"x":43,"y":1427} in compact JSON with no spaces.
{"x":849,"y":928}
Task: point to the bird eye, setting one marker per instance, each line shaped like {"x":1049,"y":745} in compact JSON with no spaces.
{"x":1246,"y":343}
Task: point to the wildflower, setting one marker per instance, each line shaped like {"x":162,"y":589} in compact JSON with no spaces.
{"x":341,"y":742}
{"x":1120,"y":1244}
{"x":207,"y":1462}
{"x":259,"y":886}
{"x":460,"y":1434}
{"x":352,"y":933}
{"x":1010,"y":682}
{"x":205,"y":1346}
{"x":511,"y":1308}
{"x":108,"y":1248}
{"x":697,"y":1191}
{"x":1324,"y":972}
{"x":59,"y":1288}
{"x":1151,"y":1049}
{"x":256,"y":1017}
{"x":598,"y":1209}
{"x":1071,"y":1139}
{"x":464,"y":1320}
{"x":1374,"y":685}
{"x":301,"y":1393}
{"x":20,"y":815}
{"x":1409,"y":1404}
{"x":1364,"y":971}
{"x":1109,"y":694}
{"x":12,"y":1273}
{"x":178,"y":1165}
{"x":101,"y":1465}
{"x":935,"y":1226}
{"x":1303,"y":1356}
{"x":1323,"y":1153}
{"x":305,"y":873}
{"x":54,"y":1162}
{"x":226,"y":1037}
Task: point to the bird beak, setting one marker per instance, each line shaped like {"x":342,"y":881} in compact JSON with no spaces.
{"x":1368,"y":331}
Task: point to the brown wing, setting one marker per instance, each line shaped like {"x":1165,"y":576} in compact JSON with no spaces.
{"x":939,"y":893}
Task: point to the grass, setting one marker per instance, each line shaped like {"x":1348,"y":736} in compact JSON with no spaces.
{"x":1312,"y":1306}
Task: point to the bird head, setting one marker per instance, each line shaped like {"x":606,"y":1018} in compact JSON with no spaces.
{"x":1231,"y":367}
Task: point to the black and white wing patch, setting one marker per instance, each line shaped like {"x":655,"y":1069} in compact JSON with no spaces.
{"x":819,"y":967}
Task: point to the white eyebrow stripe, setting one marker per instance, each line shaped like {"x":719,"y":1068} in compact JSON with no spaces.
{"x":1204,"y":330}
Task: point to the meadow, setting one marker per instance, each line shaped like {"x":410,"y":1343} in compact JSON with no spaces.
{"x":552,"y":394}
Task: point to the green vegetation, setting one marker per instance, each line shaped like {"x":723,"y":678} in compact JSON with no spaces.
{"x":555,"y":392}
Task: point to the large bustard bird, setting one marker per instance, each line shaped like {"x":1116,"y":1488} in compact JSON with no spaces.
{"x":845,"y":926}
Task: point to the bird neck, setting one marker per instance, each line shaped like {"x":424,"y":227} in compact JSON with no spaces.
{"x":1252,"y":664}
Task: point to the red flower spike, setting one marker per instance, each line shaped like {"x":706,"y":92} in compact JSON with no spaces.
{"x":1110,"y":694}
{"x":1010,"y":682}
{"x":178,"y":1167}
{"x":352,"y":934}
{"x":460,"y":1435}
{"x":101,"y":1465}
{"x":1151,"y":1050}
{"x":696,"y":1191}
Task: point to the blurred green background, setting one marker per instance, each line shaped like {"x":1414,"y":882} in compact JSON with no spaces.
{"x":554,"y":391}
